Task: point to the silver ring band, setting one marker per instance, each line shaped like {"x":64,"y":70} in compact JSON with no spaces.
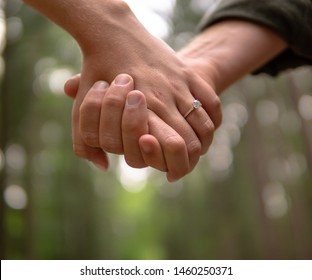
{"x":195,"y":105}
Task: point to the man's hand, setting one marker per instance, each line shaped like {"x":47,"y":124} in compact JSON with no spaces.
{"x":128,"y":124}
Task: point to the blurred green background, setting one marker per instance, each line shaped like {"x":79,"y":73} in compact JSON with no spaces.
{"x":249,"y":198}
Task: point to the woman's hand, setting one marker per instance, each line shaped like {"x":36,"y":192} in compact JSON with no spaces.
{"x":129,"y":123}
{"x":113,"y":41}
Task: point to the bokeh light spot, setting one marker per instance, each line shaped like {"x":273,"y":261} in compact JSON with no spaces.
{"x":305,"y":107}
{"x":15,"y":197}
{"x":15,"y":156}
{"x":132,"y":180}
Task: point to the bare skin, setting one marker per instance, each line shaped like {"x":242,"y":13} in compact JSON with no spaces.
{"x":113,"y":41}
{"x":220,"y":55}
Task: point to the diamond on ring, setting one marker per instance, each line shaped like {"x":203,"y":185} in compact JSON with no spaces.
{"x":195,"y":105}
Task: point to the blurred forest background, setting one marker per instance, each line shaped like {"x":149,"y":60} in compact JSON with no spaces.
{"x":249,"y":198}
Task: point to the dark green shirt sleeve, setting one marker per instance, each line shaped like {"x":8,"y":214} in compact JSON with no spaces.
{"x":291,"y":19}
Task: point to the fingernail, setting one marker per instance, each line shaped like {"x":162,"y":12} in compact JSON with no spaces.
{"x":100,"y":85}
{"x":122,"y":80}
{"x":133,"y":99}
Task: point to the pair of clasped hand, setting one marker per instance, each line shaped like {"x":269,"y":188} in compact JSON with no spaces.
{"x":116,"y":118}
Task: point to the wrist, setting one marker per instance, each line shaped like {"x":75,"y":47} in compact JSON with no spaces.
{"x":99,"y":25}
{"x":112,"y":40}
{"x":204,"y":55}
{"x":230,"y":49}
{"x":201,"y":65}
{"x":85,"y":20}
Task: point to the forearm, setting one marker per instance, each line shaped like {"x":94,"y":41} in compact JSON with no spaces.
{"x":83,"y":18}
{"x":107,"y":31}
{"x":230,"y":49}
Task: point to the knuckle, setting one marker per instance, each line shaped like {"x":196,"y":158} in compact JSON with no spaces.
{"x":135,"y":163}
{"x":194,"y":152}
{"x":80,"y":151}
{"x":218,"y":121}
{"x":110,"y":144}
{"x":114,"y":101}
{"x":88,"y":106}
{"x":90,"y":138}
{"x":175,"y":144}
{"x":209,"y":127}
{"x":131,"y":125}
{"x":218,"y":112}
{"x":217,"y":102}
{"x":194,"y":148}
{"x":174,"y":175}
{"x":90,"y":153}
